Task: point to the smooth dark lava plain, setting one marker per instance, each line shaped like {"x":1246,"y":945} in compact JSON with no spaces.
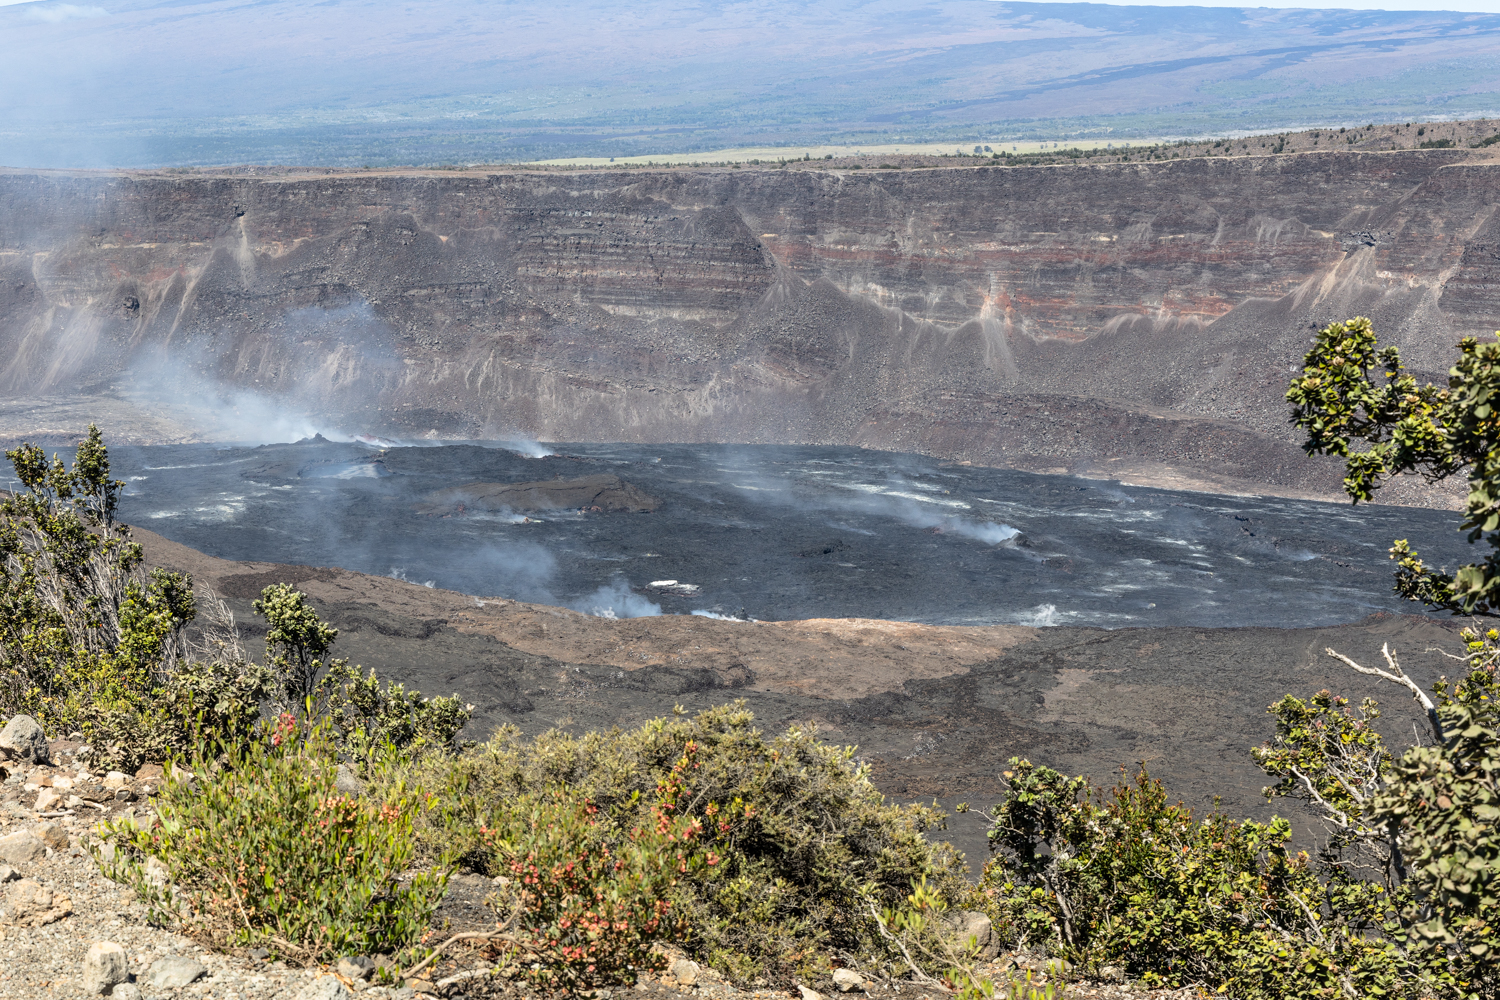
{"x":784,"y":532}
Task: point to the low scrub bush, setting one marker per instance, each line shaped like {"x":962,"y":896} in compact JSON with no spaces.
{"x":1400,"y":900}
{"x":261,"y":849}
{"x":587,"y":898}
{"x":89,"y":640}
{"x":1421,"y":825}
{"x":1414,"y":851}
{"x":1443,"y":803}
{"x":365,"y":719}
{"x":1126,"y":877}
{"x":933,"y":950}
{"x":801,"y":842}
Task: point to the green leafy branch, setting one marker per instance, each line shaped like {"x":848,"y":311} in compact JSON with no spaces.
{"x":1357,"y":402}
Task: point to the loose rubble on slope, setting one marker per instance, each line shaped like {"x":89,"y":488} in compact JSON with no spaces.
{"x":67,"y":932}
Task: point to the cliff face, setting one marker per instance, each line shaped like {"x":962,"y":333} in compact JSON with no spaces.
{"x":1093,"y":318}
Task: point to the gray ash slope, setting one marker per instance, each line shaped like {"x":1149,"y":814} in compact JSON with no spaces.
{"x":782,"y":532}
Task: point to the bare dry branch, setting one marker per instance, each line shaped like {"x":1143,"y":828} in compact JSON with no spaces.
{"x":220,"y":639}
{"x":469,"y":936}
{"x":1397,"y":676}
{"x":1337,"y":817}
{"x":922,"y":977}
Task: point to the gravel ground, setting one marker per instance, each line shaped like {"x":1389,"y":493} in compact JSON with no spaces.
{"x":85,"y":908}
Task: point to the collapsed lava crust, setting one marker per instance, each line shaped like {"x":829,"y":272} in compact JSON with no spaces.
{"x":603,"y":493}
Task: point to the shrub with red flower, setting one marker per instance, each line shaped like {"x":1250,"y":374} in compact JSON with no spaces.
{"x":588,"y":898}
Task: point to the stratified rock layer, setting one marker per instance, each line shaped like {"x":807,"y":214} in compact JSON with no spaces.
{"x":1102,"y":318}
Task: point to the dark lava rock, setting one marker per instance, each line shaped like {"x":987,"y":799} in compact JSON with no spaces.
{"x":605,"y":493}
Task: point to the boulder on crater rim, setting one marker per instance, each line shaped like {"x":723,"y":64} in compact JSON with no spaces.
{"x":971,"y":925}
{"x":355,"y":966}
{"x":346,"y":783}
{"x":685,"y":971}
{"x":324,"y":988}
{"x":21,"y":847}
{"x":610,"y":494}
{"x":53,"y":835}
{"x":174,"y":972}
{"x":104,"y":966}
{"x":847,"y":980}
{"x":23,"y":739}
{"x":31,"y":904}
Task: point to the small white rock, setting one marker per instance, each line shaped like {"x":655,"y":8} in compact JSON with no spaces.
{"x":345,"y":781}
{"x":808,"y":994}
{"x":847,"y":980}
{"x":46,"y":799}
{"x":685,"y":972}
{"x":20,"y":847}
{"x":103,"y":967}
{"x":156,"y":872}
{"x":325,"y":988}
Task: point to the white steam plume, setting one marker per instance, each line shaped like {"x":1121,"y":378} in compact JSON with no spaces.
{"x":399,"y":573}
{"x":1042,"y":616}
{"x":616,"y":600}
{"x":527,"y":448}
{"x":721,"y":618}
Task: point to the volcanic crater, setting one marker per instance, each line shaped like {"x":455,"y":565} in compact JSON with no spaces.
{"x":1130,"y":321}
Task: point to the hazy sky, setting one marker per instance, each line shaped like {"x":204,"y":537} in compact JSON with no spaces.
{"x":1478,"y":6}
{"x":162,"y":82}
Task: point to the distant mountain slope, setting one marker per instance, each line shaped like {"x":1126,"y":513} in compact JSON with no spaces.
{"x":160,"y":82}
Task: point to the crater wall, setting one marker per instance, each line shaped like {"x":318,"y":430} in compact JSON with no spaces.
{"x":1138,"y":320}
